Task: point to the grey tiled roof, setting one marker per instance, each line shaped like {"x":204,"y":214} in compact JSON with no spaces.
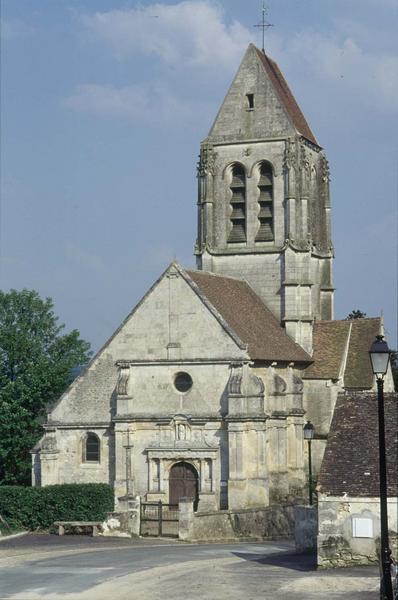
{"x":358,"y":372}
{"x":341,"y":348}
{"x":351,"y":461}
{"x":329,"y":341}
{"x":249,"y":318}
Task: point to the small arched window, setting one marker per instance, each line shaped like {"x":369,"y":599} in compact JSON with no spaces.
{"x":91,"y":448}
{"x":238,"y":205}
{"x":265,"y":197}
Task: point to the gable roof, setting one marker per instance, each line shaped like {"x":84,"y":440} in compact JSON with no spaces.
{"x":358,"y":372}
{"x":351,"y":460}
{"x":341,"y":350}
{"x":329,"y":339}
{"x":248,"y":317}
{"x":286,"y":97}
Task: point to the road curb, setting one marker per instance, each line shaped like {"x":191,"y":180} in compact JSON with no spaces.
{"x":13,"y":536}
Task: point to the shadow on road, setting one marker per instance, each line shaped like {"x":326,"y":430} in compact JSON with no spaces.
{"x":286,"y":560}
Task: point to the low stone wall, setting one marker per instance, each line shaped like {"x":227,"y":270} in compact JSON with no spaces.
{"x":124,"y":523}
{"x":305,"y":528}
{"x":256,"y":523}
{"x":339,"y":544}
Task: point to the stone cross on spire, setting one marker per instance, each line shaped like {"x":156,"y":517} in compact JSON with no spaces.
{"x":264,"y":25}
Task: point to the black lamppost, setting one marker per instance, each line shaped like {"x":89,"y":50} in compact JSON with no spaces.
{"x":309,"y":431}
{"x":380,"y":355}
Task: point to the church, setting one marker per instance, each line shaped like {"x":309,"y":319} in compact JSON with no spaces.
{"x":204,"y":389}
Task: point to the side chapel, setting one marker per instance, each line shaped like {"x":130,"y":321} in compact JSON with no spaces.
{"x":205,"y":387}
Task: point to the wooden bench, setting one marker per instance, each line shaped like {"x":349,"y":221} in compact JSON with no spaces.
{"x":71,"y":524}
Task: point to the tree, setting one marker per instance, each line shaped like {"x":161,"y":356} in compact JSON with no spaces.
{"x":36,"y":365}
{"x":355,"y":314}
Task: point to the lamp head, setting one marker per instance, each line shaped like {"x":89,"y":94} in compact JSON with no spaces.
{"x":379,"y":353}
{"x":309,"y":431}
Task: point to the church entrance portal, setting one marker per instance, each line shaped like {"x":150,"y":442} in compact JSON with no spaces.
{"x":183,"y":483}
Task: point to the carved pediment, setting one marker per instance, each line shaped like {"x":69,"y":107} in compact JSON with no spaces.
{"x":179,"y":437}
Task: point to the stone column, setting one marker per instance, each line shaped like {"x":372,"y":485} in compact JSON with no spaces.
{"x":248,"y":483}
{"x":120,"y":487}
{"x":49,"y":458}
{"x":161,"y":476}
{"x":277,"y":459}
{"x":49,"y":467}
{"x":129,"y":448}
{"x":211,"y":466}
{"x":202,"y":475}
{"x":151,"y":468}
{"x":208,"y":213}
{"x":290,"y":165}
{"x":296,"y":424}
{"x":291,"y":217}
{"x":185,"y":520}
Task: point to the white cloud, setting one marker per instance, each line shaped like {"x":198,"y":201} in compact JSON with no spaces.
{"x":191,"y":41}
{"x":151,"y":103}
{"x":191,"y":33}
{"x":370,"y":80}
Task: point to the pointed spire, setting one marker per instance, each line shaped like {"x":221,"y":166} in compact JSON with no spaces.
{"x":274,"y":110}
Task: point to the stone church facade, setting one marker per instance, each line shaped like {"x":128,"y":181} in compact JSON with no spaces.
{"x":204,"y":389}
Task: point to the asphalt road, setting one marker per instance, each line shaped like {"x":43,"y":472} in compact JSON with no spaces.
{"x":82,"y":568}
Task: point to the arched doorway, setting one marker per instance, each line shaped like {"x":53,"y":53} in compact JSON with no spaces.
{"x":183,"y":483}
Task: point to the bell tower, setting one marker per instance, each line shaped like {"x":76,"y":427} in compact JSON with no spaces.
{"x":263,"y":202}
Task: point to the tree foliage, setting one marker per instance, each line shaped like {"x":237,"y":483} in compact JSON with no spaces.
{"x":355,"y":314}
{"x":36,"y":365}
{"x":394,"y":367}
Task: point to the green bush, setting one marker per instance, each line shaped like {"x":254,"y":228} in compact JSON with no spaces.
{"x":38,"y":508}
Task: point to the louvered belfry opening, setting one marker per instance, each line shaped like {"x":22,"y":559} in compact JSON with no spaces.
{"x":265,"y":231}
{"x":238,"y":205}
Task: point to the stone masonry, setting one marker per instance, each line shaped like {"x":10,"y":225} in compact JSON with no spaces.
{"x":204,"y":389}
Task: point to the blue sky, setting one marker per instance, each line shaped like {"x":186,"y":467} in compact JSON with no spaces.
{"x":104,"y":104}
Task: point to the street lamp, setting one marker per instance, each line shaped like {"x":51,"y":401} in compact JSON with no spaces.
{"x":380,"y":356}
{"x":309,"y":431}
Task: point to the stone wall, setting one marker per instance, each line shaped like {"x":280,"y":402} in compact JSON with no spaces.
{"x":125,"y":523}
{"x":349,"y":530}
{"x":291,"y":271}
{"x":256,"y":523}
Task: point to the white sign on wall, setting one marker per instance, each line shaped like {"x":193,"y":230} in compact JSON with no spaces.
{"x":362,"y":527}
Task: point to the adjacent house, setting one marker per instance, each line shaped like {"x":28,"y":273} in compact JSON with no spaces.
{"x":348,"y":485}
